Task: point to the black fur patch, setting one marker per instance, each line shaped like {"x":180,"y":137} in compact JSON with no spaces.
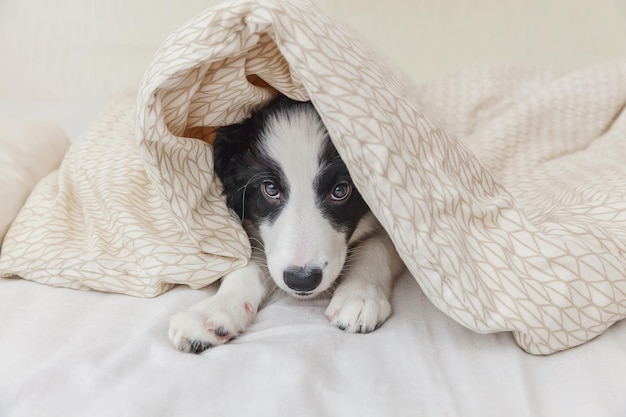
{"x":344,"y":215}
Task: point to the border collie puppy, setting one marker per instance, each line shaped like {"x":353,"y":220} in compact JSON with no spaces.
{"x":309,"y":227}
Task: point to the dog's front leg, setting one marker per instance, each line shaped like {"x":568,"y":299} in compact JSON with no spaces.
{"x":361,"y":301}
{"x":219,"y":318}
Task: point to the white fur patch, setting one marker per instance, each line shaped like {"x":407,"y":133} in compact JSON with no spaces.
{"x":300,"y":236}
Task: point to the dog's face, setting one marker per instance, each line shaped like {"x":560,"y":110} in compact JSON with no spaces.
{"x":284,"y":178}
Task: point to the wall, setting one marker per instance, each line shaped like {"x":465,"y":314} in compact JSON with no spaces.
{"x":92,"y":49}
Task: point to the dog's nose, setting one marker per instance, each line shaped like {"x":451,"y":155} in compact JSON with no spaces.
{"x":302,"y":279}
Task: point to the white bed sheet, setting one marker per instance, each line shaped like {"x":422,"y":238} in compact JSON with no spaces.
{"x":72,"y":353}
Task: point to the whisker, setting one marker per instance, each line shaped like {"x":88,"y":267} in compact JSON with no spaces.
{"x":245,"y":188}
{"x":257,"y":241}
{"x":252,"y":178}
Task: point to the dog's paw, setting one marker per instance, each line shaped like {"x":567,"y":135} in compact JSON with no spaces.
{"x":358,"y":309}
{"x":188,"y":332}
{"x":216,"y":322}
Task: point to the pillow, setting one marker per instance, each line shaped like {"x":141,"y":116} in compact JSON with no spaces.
{"x":29,"y":150}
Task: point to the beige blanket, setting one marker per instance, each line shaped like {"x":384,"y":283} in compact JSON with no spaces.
{"x":520,"y":226}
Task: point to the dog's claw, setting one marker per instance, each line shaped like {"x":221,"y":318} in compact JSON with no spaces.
{"x":198,"y":346}
{"x":360,"y":329}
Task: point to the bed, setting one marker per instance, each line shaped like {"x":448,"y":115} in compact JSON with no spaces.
{"x":72,"y":353}
{"x":67,"y":352}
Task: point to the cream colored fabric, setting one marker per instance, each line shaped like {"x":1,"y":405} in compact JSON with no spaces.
{"x":29,"y":150}
{"x":522,"y":228}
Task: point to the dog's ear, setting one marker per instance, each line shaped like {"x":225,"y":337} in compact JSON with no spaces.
{"x":231,"y":143}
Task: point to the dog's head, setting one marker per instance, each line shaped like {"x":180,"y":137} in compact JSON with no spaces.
{"x":284,"y":178}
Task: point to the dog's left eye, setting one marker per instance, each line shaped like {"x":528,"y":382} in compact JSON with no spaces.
{"x":341,"y":191}
{"x":270,"y":189}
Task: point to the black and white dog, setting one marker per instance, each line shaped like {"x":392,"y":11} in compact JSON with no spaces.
{"x":310,"y":229}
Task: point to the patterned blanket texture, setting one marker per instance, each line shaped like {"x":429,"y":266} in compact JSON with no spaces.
{"x":504,"y":188}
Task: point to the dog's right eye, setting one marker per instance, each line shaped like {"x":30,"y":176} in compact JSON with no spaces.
{"x":270,"y":190}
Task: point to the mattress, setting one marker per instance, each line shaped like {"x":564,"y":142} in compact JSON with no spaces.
{"x":85,"y":353}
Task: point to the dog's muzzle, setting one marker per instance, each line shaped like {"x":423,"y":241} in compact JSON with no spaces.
{"x":302,"y":279}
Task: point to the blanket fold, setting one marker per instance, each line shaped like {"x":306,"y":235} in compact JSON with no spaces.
{"x":503,"y":189}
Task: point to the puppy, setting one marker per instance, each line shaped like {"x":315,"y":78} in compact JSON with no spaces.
{"x":310,"y":229}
